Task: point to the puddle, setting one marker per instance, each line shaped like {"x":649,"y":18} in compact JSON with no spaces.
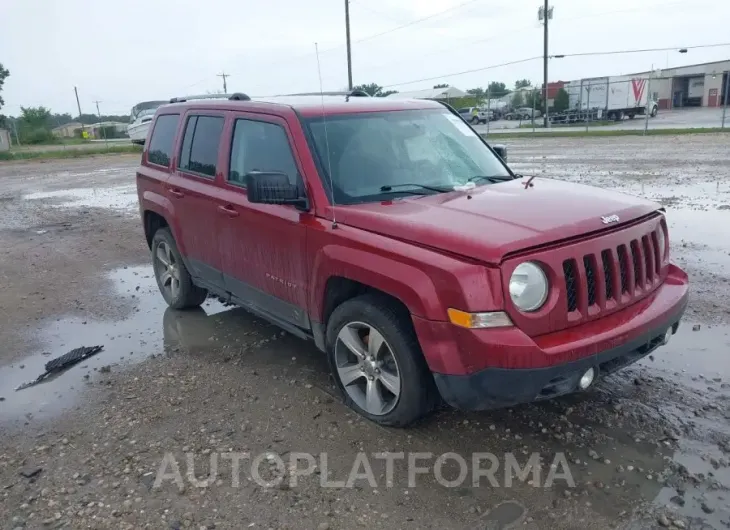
{"x":115,"y":198}
{"x":151,"y":328}
{"x":703,"y":355}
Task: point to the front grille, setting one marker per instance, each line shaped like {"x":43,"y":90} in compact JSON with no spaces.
{"x":623,"y":260}
{"x":571,"y":283}
{"x":608,"y":269}
{"x":590,"y":279}
{"x":616,"y":275}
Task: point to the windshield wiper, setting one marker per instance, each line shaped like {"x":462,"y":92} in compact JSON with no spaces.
{"x":420,"y":186}
{"x":491,"y":178}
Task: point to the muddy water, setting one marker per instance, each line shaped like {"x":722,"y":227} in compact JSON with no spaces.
{"x":127,"y":341}
{"x":122,"y":198}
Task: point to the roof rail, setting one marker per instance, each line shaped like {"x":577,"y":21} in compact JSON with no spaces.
{"x":352,"y":93}
{"x":236,"y":96}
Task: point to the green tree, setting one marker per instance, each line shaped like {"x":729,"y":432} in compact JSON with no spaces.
{"x":517,"y":100}
{"x":375,"y":90}
{"x":478,"y":92}
{"x":522,"y":83}
{"x":497,"y":89}
{"x":34,"y":125}
{"x":534,"y":98}
{"x":562,"y":100}
{"x":4,"y":73}
{"x":442,"y":85}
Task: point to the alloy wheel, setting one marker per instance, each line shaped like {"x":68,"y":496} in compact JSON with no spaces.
{"x":167,"y":270}
{"x":367,"y":368}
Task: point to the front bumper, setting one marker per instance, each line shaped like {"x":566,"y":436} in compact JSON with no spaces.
{"x":503,"y":367}
{"x":503,"y":387}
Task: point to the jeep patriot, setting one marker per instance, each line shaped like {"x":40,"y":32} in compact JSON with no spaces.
{"x":392,"y":235}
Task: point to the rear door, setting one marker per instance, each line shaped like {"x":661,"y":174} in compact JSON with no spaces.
{"x":191,"y":188}
{"x":264,"y":261}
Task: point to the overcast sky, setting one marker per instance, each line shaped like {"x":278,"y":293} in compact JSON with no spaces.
{"x":125,"y":51}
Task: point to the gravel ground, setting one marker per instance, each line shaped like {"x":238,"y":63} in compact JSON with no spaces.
{"x":97,"y":447}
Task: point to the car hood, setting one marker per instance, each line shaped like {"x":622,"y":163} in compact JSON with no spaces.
{"x":491,"y":221}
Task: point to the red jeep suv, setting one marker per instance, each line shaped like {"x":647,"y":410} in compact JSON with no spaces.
{"x":391,"y":234}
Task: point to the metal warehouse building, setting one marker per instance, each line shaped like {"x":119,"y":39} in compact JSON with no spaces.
{"x":699,"y":85}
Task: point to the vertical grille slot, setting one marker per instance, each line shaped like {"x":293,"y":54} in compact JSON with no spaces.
{"x":648,"y":258}
{"x":636,"y":258}
{"x":590,"y":279}
{"x":623,"y":261}
{"x":570,"y":270}
{"x":657,"y":252}
{"x":607,"y":260}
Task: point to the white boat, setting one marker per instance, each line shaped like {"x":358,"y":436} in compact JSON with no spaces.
{"x":140,"y":118}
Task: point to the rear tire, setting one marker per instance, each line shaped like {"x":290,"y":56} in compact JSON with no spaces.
{"x":631,"y":116}
{"x":653,"y":112}
{"x":377,"y":363}
{"x":173,"y":278}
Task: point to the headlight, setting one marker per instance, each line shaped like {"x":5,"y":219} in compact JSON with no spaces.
{"x":528,"y":287}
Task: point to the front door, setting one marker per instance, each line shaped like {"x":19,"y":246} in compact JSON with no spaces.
{"x":191,"y":188}
{"x":712,"y":99}
{"x":264,"y":263}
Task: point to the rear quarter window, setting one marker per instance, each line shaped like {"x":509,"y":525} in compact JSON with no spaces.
{"x":163,"y":136}
{"x":199,"y":151}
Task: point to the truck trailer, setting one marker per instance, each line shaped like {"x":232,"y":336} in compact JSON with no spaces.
{"x":610,"y":98}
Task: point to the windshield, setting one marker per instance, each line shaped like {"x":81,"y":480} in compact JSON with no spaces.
{"x":140,"y":108}
{"x":379,"y":155}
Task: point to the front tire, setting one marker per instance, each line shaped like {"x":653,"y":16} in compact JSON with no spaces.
{"x":377,"y":363}
{"x":173,"y":278}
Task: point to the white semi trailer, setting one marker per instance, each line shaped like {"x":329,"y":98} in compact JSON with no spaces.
{"x":617,"y":96}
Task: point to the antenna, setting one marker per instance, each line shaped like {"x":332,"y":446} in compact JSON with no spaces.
{"x":326,"y":139}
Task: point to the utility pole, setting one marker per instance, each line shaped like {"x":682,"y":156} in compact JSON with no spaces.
{"x":225,"y":86}
{"x":101,"y":126}
{"x":79,"y":107}
{"x":727,"y":86}
{"x":647,"y":109}
{"x":349,"y":51}
{"x":545,"y":13}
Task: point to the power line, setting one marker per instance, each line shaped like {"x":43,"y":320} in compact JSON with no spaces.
{"x":417,"y":21}
{"x":643,"y":50}
{"x":374,"y":36}
{"x":465,"y":72}
{"x":512,"y":32}
{"x":528,"y":59}
{"x":375,"y":12}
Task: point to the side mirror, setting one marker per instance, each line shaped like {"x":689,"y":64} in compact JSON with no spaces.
{"x":269,"y":187}
{"x":501,"y":150}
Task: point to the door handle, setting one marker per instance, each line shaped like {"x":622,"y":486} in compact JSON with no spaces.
{"x":176,"y":193}
{"x":228,"y":210}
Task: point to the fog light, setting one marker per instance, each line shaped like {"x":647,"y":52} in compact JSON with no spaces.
{"x":587,"y":378}
{"x":667,"y":336}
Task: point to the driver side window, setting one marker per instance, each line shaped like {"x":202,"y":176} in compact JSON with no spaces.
{"x":260,"y":146}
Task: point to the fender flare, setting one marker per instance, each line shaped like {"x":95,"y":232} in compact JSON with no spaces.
{"x":411,"y":285}
{"x":162,"y":206}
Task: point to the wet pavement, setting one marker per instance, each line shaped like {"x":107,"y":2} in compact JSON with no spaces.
{"x":650,"y":442}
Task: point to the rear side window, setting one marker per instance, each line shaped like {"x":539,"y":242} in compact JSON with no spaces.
{"x":199,"y":152}
{"x":163,"y":136}
{"x":260,"y":146}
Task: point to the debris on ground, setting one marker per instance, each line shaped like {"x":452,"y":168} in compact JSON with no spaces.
{"x":59,"y":364}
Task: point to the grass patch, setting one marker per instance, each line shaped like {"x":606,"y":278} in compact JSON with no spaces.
{"x":69,"y":153}
{"x":611,"y":132}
